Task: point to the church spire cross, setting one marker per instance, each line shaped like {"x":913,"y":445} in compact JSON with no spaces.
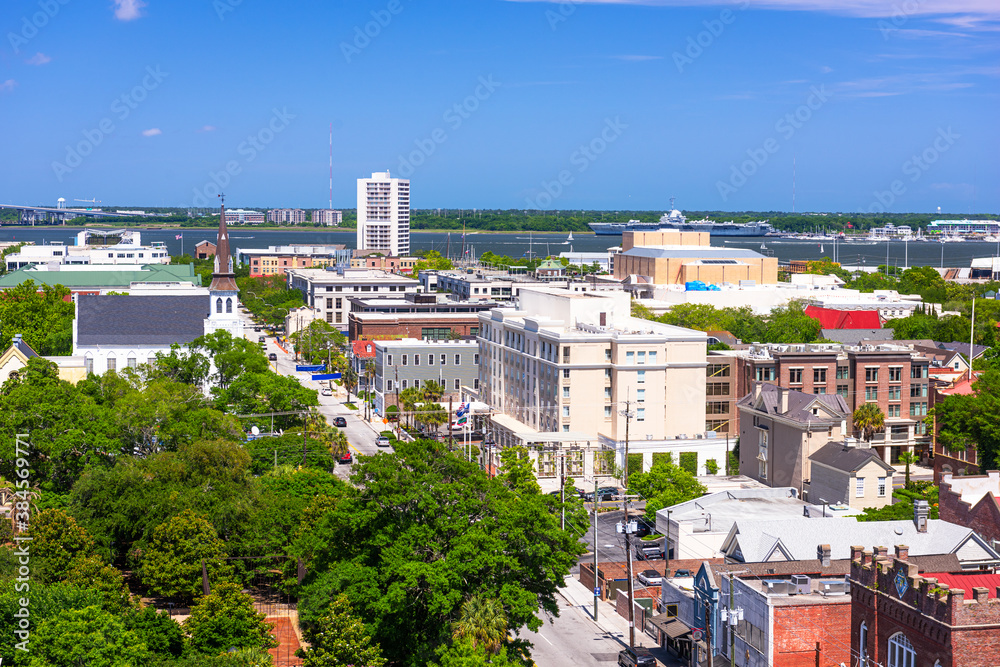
{"x":223,"y":278}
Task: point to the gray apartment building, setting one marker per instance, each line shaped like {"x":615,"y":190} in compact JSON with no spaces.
{"x":401,"y":364}
{"x":327,"y":291}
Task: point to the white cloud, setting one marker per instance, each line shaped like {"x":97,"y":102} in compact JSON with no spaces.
{"x":152,"y":132}
{"x":208,"y":128}
{"x":128,"y":10}
{"x":825,"y":69}
{"x":39,"y":59}
{"x":976,"y":9}
{"x":7,"y":86}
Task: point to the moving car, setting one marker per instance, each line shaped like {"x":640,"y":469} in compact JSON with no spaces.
{"x":272,"y":357}
{"x":650,"y":578}
{"x":326,"y":391}
{"x":603,"y":493}
{"x":382,"y":441}
{"x":345,"y":458}
{"x":638,"y":656}
{"x":340,"y":421}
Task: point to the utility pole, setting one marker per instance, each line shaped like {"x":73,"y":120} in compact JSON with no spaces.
{"x":305,"y":429}
{"x":628,"y":414}
{"x":451,"y":436}
{"x":708,"y":632}
{"x":732,"y":626}
{"x":562,"y":489}
{"x":397,"y":401}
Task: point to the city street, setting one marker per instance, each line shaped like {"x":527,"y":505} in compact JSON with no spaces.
{"x":610,"y":545}
{"x":572,"y":638}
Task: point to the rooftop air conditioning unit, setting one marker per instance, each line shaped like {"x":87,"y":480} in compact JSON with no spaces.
{"x":801,"y":584}
{"x":834,"y":587}
{"x":777,"y":587}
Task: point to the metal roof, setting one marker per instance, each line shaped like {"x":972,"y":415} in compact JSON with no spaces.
{"x":693,"y":252}
{"x":140,"y":320}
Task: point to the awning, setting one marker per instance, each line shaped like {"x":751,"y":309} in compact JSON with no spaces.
{"x":661,"y":621}
{"x":675,"y":629}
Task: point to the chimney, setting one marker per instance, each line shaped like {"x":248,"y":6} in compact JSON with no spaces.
{"x":902,"y":552}
{"x":782,"y":400}
{"x":823,"y":554}
{"x":756,"y":390}
{"x":920,"y":511}
{"x":17,"y":340}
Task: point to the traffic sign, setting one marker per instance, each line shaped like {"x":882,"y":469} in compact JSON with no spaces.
{"x":384,"y":420}
{"x":597,"y":591}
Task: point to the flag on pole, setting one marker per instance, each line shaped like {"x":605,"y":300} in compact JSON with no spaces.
{"x":179,"y":237}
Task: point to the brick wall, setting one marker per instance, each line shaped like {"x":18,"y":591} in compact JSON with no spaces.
{"x":983,"y":517}
{"x":812,"y":634}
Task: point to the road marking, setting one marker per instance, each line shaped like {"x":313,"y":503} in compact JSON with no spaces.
{"x":545,"y":638}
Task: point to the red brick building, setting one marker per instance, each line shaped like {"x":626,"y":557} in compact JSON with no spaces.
{"x":395,"y":326}
{"x":902,"y":619}
{"x":972,"y":501}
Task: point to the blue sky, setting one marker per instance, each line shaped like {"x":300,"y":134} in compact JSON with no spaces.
{"x":505,"y":104}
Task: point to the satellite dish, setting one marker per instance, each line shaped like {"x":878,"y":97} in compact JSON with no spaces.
{"x":255,"y":430}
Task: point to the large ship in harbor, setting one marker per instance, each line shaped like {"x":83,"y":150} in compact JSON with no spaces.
{"x":675,"y":220}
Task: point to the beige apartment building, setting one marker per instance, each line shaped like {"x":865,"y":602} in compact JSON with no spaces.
{"x":569,"y":363}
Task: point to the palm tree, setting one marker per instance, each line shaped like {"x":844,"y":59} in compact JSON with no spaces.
{"x":408,"y":399}
{"x":869,"y":420}
{"x":907,"y":458}
{"x":369,"y":374}
{"x":433,"y":391}
{"x":483,"y":621}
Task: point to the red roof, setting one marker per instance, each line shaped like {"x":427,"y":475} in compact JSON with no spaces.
{"x":364,"y":349}
{"x":844,"y":319}
{"x":967,"y":582}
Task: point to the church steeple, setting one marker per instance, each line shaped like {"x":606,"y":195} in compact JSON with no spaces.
{"x":223,"y":278}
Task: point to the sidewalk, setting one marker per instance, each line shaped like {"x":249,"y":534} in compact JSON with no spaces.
{"x":609,"y":622}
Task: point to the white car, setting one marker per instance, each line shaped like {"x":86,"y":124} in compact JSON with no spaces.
{"x":650,"y":578}
{"x":326,"y":391}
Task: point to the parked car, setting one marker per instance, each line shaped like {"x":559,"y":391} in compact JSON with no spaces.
{"x":346,"y":458}
{"x":650,"y":578}
{"x":262,"y":339}
{"x":654,"y":552}
{"x":637,"y":656}
{"x":604,"y":493}
{"x":382,"y":441}
{"x":683,"y":573}
{"x":272,"y":357}
{"x":340,"y":421}
{"x":256,"y":329}
{"x":326,"y":391}
{"x":643,"y":528}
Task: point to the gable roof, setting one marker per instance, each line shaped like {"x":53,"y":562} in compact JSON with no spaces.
{"x":856,"y":336}
{"x":844,"y":319}
{"x":140,"y":320}
{"x":364,"y":349}
{"x":110,"y":278}
{"x":758,"y":541}
{"x":800,"y":404}
{"x":963,"y":348}
{"x":849,"y":459}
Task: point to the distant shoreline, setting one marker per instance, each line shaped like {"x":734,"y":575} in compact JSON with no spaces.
{"x":264,"y":228}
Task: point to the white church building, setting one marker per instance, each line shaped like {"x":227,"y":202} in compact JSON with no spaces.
{"x":116,"y":332}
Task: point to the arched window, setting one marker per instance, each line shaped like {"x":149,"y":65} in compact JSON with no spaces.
{"x":901,"y":653}
{"x":88,"y":363}
{"x":863,"y":644}
{"x":218,"y":305}
{"x":229,"y":305}
{"x":112,"y":362}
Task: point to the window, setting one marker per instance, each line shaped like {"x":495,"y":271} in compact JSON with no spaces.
{"x":607,"y":354}
{"x":218,"y":305}
{"x":229,"y":305}
{"x":640,"y":395}
{"x":475,"y":383}
{"x":895,"y":374}
{"x":641,"y":357}
{"x":819,"y":375}
{"x":671,"y":611}
{"x":607,"y":393}
{"x":388,"y":385}
{"x":871,"y":394}
{"x":918,"y":409}
{"x":918,"y":391}
{"x":565,"y":411}
{"x":475,"y":360}
{"x":405,"y":359}
{"x":843,"y":373}
{"x":566,"y":373}
{"x":765,"y":374}
{"x":630,"y":357}
{"x":329,"y":317}
{"x":458,"y":360}
{"x":565,"y":351}
{"x":329,"y":303}
{"x":901,"y":653}
{"x":131,"y":361}
{"x":762,"y":467}
{"x":895,"y":393}
{"x":640,"y":415}
{"x":863,"y":643}
{"x":338,"y":318}
{"x":416,"y":360}
{"x":717,"y":425}
{"x":893,"y":411}
{"x":652,"y":357}
{"x":404,"y":384}
{"x":430,"y":359}
{"x":444,"y":359}
{"x":435,"y":333}
{"x":565,"y":392}
{"x":717,"y":389}
{"x":88,"y":364}
{"x":859,"y":487}
{"x":112,"y":363}
{"x":416,"y":384}
{"x":795,"y":376}
{"x":458,"y":384}
{"x":917,"y":372}
{"x":871,"y":375}
{"x":713,"y":370}
{"x":641,"y":377}
{"x":607,"y":412}
{"x":718,"y":408}
{"x":388,"y":360}
{"x":843,"y":390}
{"x":819,"y":390}
{"x":881,"y":487}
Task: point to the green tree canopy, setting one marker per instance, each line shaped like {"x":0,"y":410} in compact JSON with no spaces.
{"x":226,"y":618}
{"x":664,"y":485}
{"x":43,"y":315}
{"x":338,"y":638}
{"x":89,"y":636}
{"x":868,"y":420}
{"x":57,"y":543}
{"x":171,"y":564}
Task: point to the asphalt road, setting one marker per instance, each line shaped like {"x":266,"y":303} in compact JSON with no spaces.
{"x":572,"y":638}
{"x":610,"y":545}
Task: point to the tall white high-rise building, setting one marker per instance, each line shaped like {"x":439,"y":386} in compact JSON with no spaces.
{"x":384,"y":214}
